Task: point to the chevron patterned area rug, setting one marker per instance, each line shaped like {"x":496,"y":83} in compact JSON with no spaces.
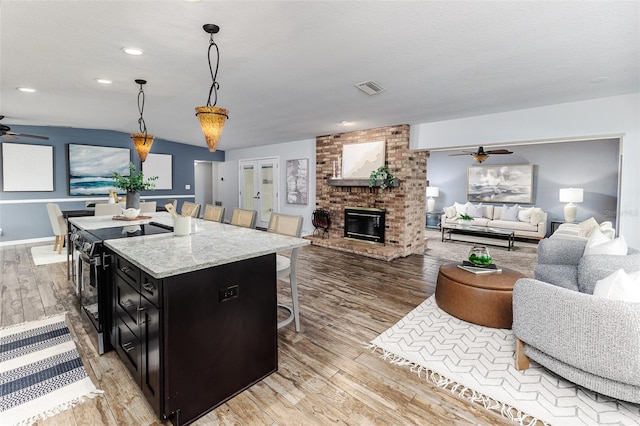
{"x":477,"y":363}
{"x":41,"y":373}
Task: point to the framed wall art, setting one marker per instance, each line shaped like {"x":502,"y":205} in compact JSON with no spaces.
{"x":360,"y":159}
{"x":27,"y":167}
{"x":91,"y":168}
{"x":298,"y":181}
{"x":512,"y":183}
{"x":160,"y":165}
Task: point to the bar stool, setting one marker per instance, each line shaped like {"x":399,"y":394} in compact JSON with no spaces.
{"x":286,"y":266}
{"x":213,"y":213}
{"x":244,"y":217}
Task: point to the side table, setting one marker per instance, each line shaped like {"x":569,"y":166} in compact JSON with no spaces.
{"x":433,"y":220}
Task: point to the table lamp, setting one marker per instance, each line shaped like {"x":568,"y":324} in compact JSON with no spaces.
{"x":432,"y":191}
{"x":570,"y":196}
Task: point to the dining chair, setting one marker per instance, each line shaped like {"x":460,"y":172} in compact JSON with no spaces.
{"x":59,"y":226}
{"x":190,"y":209}
{"x":290,"y":225}
{"x":213,"y":213}
{"x":148,"y":207}
{"x":104,"y":209}
{"x":244,"y":217}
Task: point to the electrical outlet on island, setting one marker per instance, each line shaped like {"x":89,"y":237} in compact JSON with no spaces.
{"x":187,"y":187}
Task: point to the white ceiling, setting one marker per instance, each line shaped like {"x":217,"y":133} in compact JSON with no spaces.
{"x":288,"y":68}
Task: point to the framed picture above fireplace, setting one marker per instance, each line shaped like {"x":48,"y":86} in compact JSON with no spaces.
{"x":360,"y":159}
{"x":512,"y":183}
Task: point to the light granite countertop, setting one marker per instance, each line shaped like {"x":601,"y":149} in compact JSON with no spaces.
{"x":209,"y":244}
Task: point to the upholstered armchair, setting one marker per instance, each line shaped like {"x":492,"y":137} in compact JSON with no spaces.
{"x":591,"y":341}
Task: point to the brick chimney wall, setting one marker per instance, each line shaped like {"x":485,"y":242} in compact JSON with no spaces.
{"x":405,"y":205}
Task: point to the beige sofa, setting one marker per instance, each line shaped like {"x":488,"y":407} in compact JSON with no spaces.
{"x":531,"y":222}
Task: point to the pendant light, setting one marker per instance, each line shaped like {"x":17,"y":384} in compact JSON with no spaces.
{"x":212,"y":118}
{"x":142,"y":140}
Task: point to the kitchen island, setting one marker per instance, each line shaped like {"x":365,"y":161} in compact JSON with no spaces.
{"x":194,"y":317}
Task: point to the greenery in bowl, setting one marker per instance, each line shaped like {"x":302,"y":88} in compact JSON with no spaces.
{"x":135,"y":182}
{"x":384,"y":174}
{"x":465,"y":217}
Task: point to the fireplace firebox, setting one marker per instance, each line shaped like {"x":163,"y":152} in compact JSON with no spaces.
{"x":365,"y":224}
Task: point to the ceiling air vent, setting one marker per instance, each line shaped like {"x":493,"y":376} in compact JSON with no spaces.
{"x":370,"y":87}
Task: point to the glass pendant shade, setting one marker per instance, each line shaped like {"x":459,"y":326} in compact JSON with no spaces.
{"x":143,"y":144}
{"x":212,"y":120}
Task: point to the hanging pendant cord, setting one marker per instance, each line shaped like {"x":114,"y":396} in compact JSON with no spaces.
{"x":214,"y":86}
{"x":141,"y":123}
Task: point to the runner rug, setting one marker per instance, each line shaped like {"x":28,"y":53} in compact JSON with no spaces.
{"x":41,"y":373}
{"x":477,"y":363}
{"x":44,"y":255}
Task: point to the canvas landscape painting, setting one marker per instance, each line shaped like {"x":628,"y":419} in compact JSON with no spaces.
{"x":360,"y":159}
{"x":298,"y":181}
{"x":91,"y":168}
{"x":511,"y":183}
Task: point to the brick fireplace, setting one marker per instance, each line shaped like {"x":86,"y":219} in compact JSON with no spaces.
{"x":404,"y":205}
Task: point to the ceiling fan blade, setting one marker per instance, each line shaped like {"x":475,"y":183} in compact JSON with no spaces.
{"x":463,"y":153}
{"x":499,"y":151}
{"x":26,"y":135}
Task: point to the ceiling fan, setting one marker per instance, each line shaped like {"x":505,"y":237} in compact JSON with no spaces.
{"x":5,"y":132}
{"x":481,"y":155}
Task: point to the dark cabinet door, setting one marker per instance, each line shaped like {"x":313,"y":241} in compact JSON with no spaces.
{"x":150,"y":380}
{"x":128,"y":347}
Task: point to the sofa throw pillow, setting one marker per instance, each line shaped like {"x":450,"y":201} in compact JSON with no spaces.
{"x":586,"y":227}
{"x":450,"y":212}
{"x":509,"y":213}
{"x":619,"y":286}
{"x":460,"y":208}
{"x":487,"y":212}
{"x":524,"y":215}
{"x":617,"y":246}
{"x":537,"y":216}
{"x":474,"y":210}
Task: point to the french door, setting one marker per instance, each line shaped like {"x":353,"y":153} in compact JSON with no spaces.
{"x":259,"y":187}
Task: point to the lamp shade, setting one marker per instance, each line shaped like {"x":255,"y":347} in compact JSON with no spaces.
{"x":212,"y":121}
{"x":143,"y":144}
{"x":571,"y":195}
{"x":433,"y":191}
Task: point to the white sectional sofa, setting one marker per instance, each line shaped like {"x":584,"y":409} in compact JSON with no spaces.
{"x":526,"y":222}
{"x":584,"y":230}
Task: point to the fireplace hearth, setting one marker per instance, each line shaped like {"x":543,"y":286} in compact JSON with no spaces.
{"x":365,"y":224}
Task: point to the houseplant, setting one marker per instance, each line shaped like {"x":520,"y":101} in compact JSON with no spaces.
{"x":464,"y":220}
{"x":133,"y":184}
{"x":384,"y":175}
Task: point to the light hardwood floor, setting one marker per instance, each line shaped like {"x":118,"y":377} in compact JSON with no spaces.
{"x":325,"y":375}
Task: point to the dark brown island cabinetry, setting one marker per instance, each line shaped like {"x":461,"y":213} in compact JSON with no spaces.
{"x":194,"y":340}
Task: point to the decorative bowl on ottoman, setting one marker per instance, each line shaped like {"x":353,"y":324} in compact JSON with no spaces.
{"x":479,"y":255}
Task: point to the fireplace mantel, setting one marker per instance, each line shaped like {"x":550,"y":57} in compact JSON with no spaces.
{"x":361,"y":182}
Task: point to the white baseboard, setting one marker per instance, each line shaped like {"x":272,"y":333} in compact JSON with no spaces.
{"x":29,"y":241}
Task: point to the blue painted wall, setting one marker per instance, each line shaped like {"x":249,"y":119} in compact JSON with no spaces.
{"x":591,"y":165}
{"x":23,"y":215}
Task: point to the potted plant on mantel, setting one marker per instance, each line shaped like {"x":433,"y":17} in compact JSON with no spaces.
{"x":384,"y":175}
{"x":133,"y":184}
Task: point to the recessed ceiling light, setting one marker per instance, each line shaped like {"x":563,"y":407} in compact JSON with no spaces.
{"x":26,"y":89}
{"x":346,"y":123}
{"x":133,"y":51}
{"x":600,"y":79}
{"x":103,"y":81}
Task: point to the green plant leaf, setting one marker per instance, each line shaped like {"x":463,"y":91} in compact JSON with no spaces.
{"x":135,"y":182}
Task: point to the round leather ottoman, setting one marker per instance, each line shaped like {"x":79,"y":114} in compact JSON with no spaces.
{"x":484,"y":299}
